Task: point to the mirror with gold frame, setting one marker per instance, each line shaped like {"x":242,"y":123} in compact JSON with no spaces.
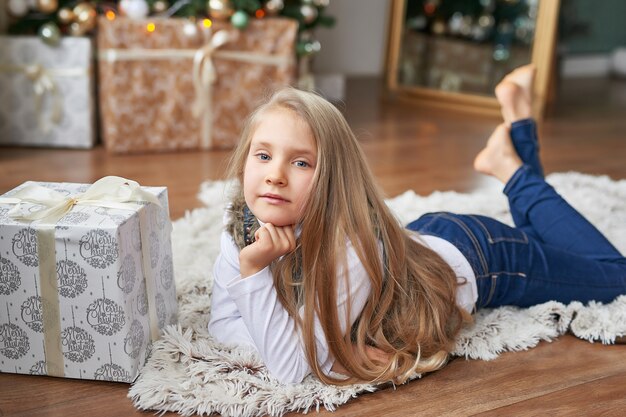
{"x":453,"y":53}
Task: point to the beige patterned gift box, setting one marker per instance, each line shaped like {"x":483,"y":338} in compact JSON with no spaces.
{"x":46,"y":92}
{"x":184,"y":86}
{"x":86,"y":278}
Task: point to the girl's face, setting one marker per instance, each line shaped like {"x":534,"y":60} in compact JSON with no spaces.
{"x":279,"y":168}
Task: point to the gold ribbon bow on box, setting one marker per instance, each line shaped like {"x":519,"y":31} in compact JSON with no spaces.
{"x":42,"y":80}
{"x":111,"y":192}
{"x":204,"y":74}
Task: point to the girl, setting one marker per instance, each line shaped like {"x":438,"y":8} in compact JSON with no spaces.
{"x":316,"y":274}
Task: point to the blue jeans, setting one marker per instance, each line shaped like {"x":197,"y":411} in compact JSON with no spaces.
{"x":553,"y":253}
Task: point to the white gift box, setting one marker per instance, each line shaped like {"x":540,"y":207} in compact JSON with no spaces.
{"x":46,"y":92}
{"x":85,"y":295}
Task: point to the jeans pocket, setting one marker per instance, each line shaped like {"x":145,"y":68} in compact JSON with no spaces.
{"x":501,"y":288}
{"x":498,"y":233}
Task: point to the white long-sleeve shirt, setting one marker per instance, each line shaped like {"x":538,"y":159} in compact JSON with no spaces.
{"x":246,"y":311}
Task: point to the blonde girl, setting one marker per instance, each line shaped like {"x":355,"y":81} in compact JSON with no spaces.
{"x":316,"y":274}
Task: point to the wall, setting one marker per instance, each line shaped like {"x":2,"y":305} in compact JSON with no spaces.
{"x":356,"y":45}
{"x":592,"y":38}
{"x":592,"y":27}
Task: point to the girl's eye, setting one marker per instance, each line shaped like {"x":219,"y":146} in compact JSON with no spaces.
{"x":263,"y":156}
{"x":301,"y":164}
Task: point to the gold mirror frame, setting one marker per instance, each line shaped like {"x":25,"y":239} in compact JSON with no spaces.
{"x":542,"y":55}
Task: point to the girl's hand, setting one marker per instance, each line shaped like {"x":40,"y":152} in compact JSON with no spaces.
{"x":271,"y":243}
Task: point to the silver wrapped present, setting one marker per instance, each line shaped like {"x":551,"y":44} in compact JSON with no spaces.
{"x":46,"y":92}
{"x":86,"y":278}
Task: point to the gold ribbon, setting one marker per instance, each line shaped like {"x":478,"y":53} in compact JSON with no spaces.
{"x":150,"y":279}
{"x":204,"y":74}
{"x":110,"y":192}
{"x":42,"y":80}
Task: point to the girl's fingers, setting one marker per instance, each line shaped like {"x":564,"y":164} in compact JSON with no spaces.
{"x":282,"y":238}
{"x":260,"y":234}
{"x":287,"y":238}
{"x":273,"y":233}
{"x":291,"y":237}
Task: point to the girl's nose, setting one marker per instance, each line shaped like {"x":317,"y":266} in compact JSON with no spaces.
{"x":276,"y":178}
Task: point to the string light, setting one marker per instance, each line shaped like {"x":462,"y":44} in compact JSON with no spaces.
{"x":150,"y":27}
{"x":260,"y":13}
{"x":110,"y":14}
{"x":207,"y":23}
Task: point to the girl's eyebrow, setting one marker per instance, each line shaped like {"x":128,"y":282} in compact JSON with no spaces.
{"x":260,"y":144}
{"x":292,"y":149}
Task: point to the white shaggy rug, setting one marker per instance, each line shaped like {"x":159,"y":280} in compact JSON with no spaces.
{"x":189,"y":373}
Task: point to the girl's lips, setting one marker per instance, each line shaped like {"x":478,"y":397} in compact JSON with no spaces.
{"x":274,"y":199}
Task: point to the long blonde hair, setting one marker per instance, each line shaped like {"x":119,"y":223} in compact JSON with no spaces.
{"x":411,"y":312}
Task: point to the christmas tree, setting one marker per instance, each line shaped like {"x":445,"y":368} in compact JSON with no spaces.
{"x":51,"y":19}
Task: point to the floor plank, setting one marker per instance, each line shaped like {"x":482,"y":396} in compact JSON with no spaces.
{"x":604,"y":396}
{"x":467,"y":387}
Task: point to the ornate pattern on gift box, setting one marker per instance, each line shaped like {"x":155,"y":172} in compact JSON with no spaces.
{"x":46,"y":93}
{"x":72,"y":277}
{"x":126,"y":275}
{"x":14,"y":342}
{"x":106,"y":313}
{"x":166,"y":273}
{"x":31,"y":310}
{"x":10,"y":279}
{"x":134,"y":339}
{"x":148,"y":88}
{"x":98,"y":248}
{"x":77,"y":343}
{"x":105,"y":316}
{"x":24,"y":246}
{"x":111,"y":371}
{"x":142,"y":299}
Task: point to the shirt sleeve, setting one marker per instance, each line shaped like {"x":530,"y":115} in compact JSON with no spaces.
{"x":226,"y":324}
{"x":252,"y":304}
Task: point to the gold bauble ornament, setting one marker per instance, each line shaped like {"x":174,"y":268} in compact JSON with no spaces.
{"x":47,"y":6}
{"x":220,"y":9}
{"x":273,"y":7}
{"x":77,"y":29}
{"x":159,"y":6}
{"x":85,"y":16}
{"x":50,"y":33}
{"x":65,"y":15}
{"x":439,"y":27}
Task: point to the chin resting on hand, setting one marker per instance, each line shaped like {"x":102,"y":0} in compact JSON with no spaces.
{"x":271,"y":243}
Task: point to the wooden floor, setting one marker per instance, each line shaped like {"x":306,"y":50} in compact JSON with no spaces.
{"x":408,"y":147}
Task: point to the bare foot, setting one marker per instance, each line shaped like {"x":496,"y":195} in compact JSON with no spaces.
{"x":515,"y":94}
{"x":498,"y":158}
